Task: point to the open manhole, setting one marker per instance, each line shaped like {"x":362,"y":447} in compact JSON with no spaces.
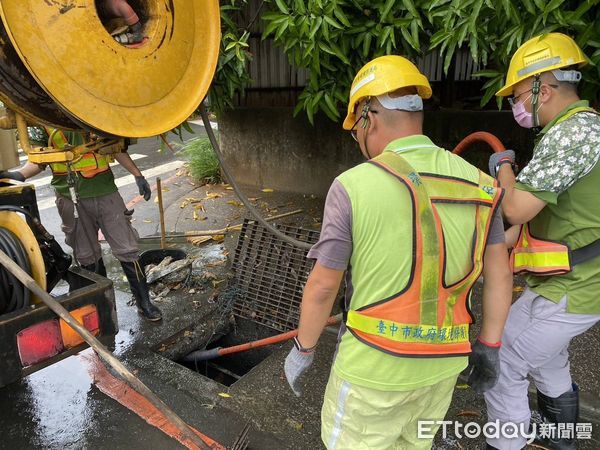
{"x":231,"y":368}
{"x":264,"y":296}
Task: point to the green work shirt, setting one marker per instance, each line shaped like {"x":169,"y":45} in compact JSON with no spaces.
{"x":368,"y":228}
{"x":564,"y":174}
{"x":101,"y":184}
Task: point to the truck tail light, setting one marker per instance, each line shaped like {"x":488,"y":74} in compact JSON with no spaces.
{"x":39,"y":342}
{"x":88,"y":317}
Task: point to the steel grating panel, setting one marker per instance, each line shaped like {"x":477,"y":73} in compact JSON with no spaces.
{"x":270,"y":275}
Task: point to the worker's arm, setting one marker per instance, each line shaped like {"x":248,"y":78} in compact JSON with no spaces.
{"x":511,"y":235}
{"x":484,"y":361}
{"x":497,"y":292}
{"x":518,"y":206}
{"x":27,"y":171}
{"x":319,"y":294}
{"x":317,"y":302}
{"x":125,"y":160}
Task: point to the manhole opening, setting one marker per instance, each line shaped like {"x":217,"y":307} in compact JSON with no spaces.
{"x":229,"y":369}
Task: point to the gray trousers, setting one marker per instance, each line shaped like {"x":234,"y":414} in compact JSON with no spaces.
{"x":535,"y":342}
{"x":106,"y":213}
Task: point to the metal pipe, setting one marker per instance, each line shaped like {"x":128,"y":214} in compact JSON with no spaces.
{"x":205,"y":355}
{"x":23,"y":135}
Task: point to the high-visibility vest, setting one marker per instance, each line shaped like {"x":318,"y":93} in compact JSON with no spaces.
{"x":428,"y":317}
{"x":88,"y":165}
{"x":542,"y":256}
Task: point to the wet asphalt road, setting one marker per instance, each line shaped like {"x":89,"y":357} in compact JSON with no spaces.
{"x":59,"y":407}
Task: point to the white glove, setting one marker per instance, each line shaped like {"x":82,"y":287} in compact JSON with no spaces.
{"x":297,"y":362}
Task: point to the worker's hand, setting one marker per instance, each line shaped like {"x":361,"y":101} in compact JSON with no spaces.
{"x":296,"y":363}
{"x":484,"y":365}
{"x":16,"y":175}
{"x":144,"y":187}
{"x":498,"y":159}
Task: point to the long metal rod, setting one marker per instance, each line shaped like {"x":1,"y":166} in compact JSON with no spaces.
{"x":186,"y":433}
{"x":238,"y":191}
{"x":161,"y":213}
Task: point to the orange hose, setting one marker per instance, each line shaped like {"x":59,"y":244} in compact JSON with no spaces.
{"x":270,"y":340}
{"x":479,"y":136}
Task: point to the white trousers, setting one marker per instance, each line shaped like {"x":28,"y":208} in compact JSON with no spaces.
{"x":535,"y":342}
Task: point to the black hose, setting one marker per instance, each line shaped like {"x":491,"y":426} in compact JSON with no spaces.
{"x":241,"y":196}
{"x":13,"y":294}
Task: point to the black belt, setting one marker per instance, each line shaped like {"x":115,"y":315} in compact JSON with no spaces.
{"x":586,"y":253}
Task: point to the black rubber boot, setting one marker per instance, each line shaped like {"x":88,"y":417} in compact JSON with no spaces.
{"x":139,"y":288}
{"x":97,"y":267}
{"x":563,"y":410}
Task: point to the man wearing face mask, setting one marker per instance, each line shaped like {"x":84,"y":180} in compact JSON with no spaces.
{"x":554,"y":206}
{"x":410,"y":229}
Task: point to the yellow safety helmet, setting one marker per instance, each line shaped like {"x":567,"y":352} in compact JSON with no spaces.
{"x":542,"y":54}
{"x":382,"y":75}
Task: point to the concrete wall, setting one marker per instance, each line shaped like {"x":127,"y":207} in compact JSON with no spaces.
{"x":269,"y":148}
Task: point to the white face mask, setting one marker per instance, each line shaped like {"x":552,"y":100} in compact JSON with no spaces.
{"x":405,"y":103}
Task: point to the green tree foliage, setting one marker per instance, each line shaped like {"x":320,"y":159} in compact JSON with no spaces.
{"x":333,"y":38}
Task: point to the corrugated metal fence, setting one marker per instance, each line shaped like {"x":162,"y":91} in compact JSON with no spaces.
{"x":275,"y":82}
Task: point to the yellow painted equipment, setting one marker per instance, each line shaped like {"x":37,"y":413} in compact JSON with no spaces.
{"x":13,"y":223}
{"x":61,"y":67}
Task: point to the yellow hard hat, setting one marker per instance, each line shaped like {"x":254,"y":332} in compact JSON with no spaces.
{"x":382,"y":75}
{"x":542,"y":54}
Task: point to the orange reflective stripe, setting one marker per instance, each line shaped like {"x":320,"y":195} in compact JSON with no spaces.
{"x":426,"y":303}
{"x":539,"y":256}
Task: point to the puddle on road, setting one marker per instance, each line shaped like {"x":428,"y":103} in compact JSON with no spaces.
{"x":55,"y":406}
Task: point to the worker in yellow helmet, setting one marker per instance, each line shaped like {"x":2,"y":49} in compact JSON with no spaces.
{"x":405,"y":336}
{"x":554,"y":202}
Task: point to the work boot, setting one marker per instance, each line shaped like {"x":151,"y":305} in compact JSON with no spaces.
{"x":133,"y":35}
{"x":139,"y":288}
{"x":560,"y":410}
{"x":97,"y":267}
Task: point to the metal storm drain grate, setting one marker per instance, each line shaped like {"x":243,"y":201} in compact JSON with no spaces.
{"x":270,"y":275}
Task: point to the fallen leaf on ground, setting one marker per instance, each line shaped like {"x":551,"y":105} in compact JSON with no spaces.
{"x":229,"y":188}
{"x":187,"y":333}
{"x":191,"y":199}
{"x":518,"y":289}
{"x":218,"y":237}
{"x":166,"y":189}
{"x":147,"y":221}
{"x":196,"y":216}
{"x":267,"y":190}
{"x":462,"y":386}
{"x":212,"y":195}
{"x":155,"y":199}
{"x":183,"y":204}
{"x":224,"y":395}
{"x":235,"y":203}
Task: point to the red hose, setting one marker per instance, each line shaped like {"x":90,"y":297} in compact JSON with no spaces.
{"x":479,"y":136}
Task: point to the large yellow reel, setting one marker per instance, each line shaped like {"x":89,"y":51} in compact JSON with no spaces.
{"x":105,"y":86}
{"x":16,"y":225}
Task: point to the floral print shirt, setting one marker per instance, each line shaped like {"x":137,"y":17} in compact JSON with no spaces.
{"x":566,"y":153}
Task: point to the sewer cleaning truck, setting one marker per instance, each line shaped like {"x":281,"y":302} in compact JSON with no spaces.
{"x":61,"y":67}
